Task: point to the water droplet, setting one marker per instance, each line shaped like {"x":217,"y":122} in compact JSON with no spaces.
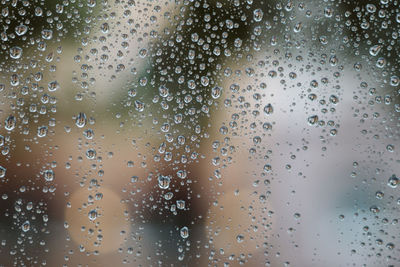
{"x":268,"y":109}
{"x":91,"y":3}
{"x":184,"y":232}
{"x":26,"y":226}
{"x":105,"y":27}
{"x":333,"y":99}
{"x":333,"y":60}
{"x":164,"y":181}
{"x":15,"y":52}
{"x":42,"y":131}
{"x":163,"y":91}
{"x":381,"y":62}
{"x":298,"y":27}
{"x":81,"y":120}
{"x":374,"y":50}
{"x":258,"y":15}
{"x":390,"y":148}
{"x":239,"y":238}
{"x":91,"y":153}
{"x":168,"y":196}
{"x":10,"y":123}
{"x":2,"y":172}
{"x":371,"y":8}
{"x":143,"y":52}
{"x":53,"y":86}
{"x":89,"y":134}
{"x":312,"y":119}
{"x":139,"y":106}
{"x":48,"y":175}
{"x":394,"y":80}
{"x":180,"y":204}
{"x":267,"y":126}
{"x":216,"y":92}
{"x":393,"y":181}
{"x":92,"y":215}
{"x":328,"y":12}
{"x":21,"y":29}
{"x":379,"y":194}
{"x":47,"y":34}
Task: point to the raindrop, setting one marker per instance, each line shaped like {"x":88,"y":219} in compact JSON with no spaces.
{"x":2,"y":172}
{"x":139,"y":106}
{"x":180,"y":204}
{"x":312,"y":119}
{"x":216,"y":92}
{"x":47,"y":34}
{"x":81,"y":120}
{"x":374,"y":50}
{"x":10,"y":123}
{"x":268,"y":109}
{"x":258,"y":15}
{"x":26,"y":226}
{"x":91,"y":153}
{"x":393,"y":181}
{"x":164,"y":181}
{"x":394,"y":80}
{"x":21,"y":29}
{"x":371,"y":8}
{"x":184,"y":232}
{"x":89,"y":134}
{"x":390,"y":148}
{"x":42,"y":131}
{"x":48,"y":175}
{"x":381,"y":62}
{"x":15,"y":52}
{"x":239,"y":238}
{"x":53,"y":86}
{"x":92,"y":215}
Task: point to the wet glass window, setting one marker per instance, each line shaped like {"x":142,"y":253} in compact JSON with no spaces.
{"x":199,"y":133}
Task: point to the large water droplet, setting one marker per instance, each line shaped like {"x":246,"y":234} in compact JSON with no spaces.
{"x":258,"y":15}
{"x":268,"y":109}
{"x":92,"y":215}
{"x":15,"y":52}
{"x":26,"y":226}
{"x":42,"y":131}
{"x":216,"y":92}
{"x":21,"y":29}
{"x":184,"y":232}
{"x":10,"y":123}
{"x":164,"y":181}
{"x":81,"y":120}
{"x":48,"y":175}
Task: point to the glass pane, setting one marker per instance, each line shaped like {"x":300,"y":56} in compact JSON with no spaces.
{"x":206,"y":133}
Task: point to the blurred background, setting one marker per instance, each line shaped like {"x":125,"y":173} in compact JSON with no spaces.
{"x":206,"y":133}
